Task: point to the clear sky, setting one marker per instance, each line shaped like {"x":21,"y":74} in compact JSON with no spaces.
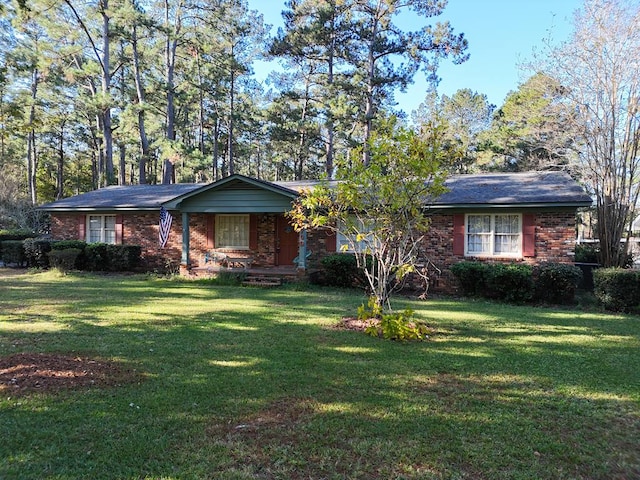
{"x":501,"y":35}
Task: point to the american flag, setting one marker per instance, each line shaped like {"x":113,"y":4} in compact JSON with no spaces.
{"x":165,"y":226}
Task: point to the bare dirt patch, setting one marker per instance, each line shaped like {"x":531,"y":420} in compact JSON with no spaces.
{"x":25,"y":373}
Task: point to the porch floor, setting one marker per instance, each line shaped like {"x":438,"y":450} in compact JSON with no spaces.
{"x":283,"y":272}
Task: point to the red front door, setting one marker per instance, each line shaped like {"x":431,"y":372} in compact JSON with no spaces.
{"x":286,"y":242}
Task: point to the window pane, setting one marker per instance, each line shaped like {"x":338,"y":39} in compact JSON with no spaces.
{"x":507,"y":223}
{"x":507,"y":243}
{"x":478,"y":243}
{"x":232,"y":231}
{"x":95,"y":228}
{"x":479,"y":223}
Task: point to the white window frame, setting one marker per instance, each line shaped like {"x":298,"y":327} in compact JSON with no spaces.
{"x":345,"y":243}
{"x":492,"y":236}
{"x":105,"y":233}
{"x":221,"y":236}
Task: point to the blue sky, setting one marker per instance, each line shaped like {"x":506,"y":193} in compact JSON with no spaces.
{"x":501,"y":35}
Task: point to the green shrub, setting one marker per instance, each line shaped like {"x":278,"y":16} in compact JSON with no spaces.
{"x":587,"y":253}
{"x":617,"y":289}
{"x":64,"y":260}
{"x":401,"y":326}
{"x":16,"y":234}
{"x":556,"y":282}
{"x":341,"y":270}
{"x":123,"y":258}
{"x":12,"y":252}
{"x":96,"y":257}
{"x":510,"y":282}
{"x":65,"y":244}
{"x":471,"y":276}
{"x":35,"y":251}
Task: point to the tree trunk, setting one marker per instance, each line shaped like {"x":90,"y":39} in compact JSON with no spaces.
{"x":32,"y":159}
{"x":144,"y":141}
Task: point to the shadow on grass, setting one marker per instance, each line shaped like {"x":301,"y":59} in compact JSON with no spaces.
{"x":253,"y":384}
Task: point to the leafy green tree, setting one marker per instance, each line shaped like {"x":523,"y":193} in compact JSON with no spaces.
{"x":464,"y":118}
{"x":534,"y":129}
{"x":380,"y":207}
{"x":383,"y":56}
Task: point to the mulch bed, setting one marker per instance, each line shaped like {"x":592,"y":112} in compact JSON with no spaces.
{"x":25,"y":373}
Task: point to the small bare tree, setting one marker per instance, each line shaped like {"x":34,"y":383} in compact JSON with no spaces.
{"x":599,"y":66}
{"x":380,"y":208}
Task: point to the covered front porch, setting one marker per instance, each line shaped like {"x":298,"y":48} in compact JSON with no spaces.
{"x":238,"y":224}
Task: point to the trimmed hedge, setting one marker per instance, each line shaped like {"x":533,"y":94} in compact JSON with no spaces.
{"x":472,"y":277}
{"x":100,"y":257}
{"x":517,"y":282}
{"x":617,"y":289}
{"x":556,"y":282}
{"x":340,"y":270}
{"x":12,"y":252}
{"x":510,"y":282}
{"x":35,"y":252}
{"x":64,"y":260}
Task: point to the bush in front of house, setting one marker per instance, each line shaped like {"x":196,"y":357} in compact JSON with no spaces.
{"x":556,"y":282}
{"x":511,"y":282}
{"x":617,"y":289}
{"x":96,"y":257}
{"x":64,"y":260}
{"x":12,"y":252}
{"x":36,"y":252}
{"x":16,"y":234}
{"x":472,"y":277}
{"x":340,"y":270}
{"x":121,"y":258}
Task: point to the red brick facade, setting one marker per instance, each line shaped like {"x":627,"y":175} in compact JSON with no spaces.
{"x":554,"y":240}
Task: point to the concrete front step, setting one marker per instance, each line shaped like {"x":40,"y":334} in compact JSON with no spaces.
{"x":262,"y":281}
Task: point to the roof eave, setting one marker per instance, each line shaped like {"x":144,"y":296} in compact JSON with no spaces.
{"x":459,"y":206}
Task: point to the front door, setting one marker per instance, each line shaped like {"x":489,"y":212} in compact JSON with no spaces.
{"x":286,"y":242}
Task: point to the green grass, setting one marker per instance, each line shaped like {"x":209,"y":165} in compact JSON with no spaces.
{"x":245,"y":383}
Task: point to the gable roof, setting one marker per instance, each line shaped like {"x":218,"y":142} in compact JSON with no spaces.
{"x":532,"y":189}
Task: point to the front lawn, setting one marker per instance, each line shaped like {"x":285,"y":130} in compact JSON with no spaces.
{"x":217,"y":382}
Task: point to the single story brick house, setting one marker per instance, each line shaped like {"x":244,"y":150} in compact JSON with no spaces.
{"x":239,"y":221}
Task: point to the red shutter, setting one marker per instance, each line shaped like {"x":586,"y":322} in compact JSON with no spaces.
{"x":330,"y":241}
{"x":82,"y":226}
{"x":211,"y":231}
{"x":118,"y":229}
{"x":528,"y":235}
{"x":253,"y":232}
{"x":458,"y":234}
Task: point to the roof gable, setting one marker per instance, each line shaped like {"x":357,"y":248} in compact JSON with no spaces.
{"x":235,"y":194}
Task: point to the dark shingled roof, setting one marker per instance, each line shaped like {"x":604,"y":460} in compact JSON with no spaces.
{"x":518,"y":189}
{"x":498,"y":189}
{"x":126,"y":197}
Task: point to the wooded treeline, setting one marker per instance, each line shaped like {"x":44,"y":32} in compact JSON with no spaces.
{"x":103,"y":92}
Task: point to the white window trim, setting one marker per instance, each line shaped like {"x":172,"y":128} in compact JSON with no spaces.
{"x":103,"y":230}
{"x":345,"y":243}
{"x":492,"y":235}
{"x":233,"y":247}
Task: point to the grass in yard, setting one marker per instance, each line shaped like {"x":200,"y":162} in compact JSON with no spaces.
{"x":244,"y":383}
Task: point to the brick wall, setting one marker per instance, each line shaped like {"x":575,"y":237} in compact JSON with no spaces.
{"x":555,"y":240}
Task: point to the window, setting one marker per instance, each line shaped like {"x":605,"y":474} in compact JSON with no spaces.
{"x":347,"y":236}
{"x":232,"y":231}
{"x":101,"y":228}
{"x":493,"y":235}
